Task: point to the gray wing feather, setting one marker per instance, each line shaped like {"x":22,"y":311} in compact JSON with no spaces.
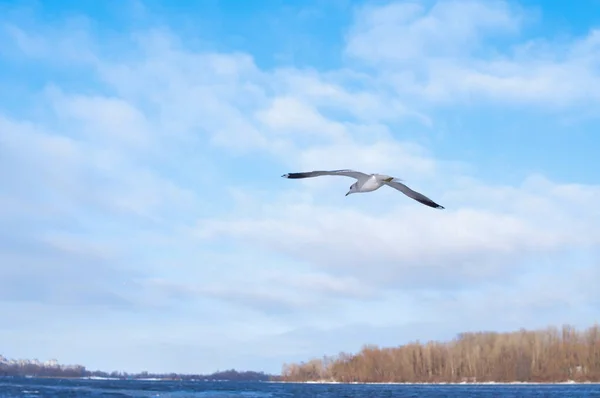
{"x":317,"y":173}
{"x":413,"y":194}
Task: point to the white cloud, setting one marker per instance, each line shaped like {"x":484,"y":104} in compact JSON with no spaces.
{"x":293,"y":116}
{"x":486,"y":233}
{"x":403,"y":158}
{"x":348,"y":93}
{"x":405,"y":32}
{"x":440,"y":54}
{"x":71,"y":41}
{"x":109,"y":120}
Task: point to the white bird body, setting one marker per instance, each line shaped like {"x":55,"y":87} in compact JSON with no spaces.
{"x":368,"y":183}
{"x":372,"y":183}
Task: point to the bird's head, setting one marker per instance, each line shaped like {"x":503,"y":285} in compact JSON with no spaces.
{"x":353,"y":189}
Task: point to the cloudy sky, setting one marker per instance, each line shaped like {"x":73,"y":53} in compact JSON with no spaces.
{"x":144,"y":224}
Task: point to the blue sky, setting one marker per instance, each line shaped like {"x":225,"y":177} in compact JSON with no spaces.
{"x":144,"y":224}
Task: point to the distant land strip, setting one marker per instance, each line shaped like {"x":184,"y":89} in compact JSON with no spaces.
{"x":551,"y":355}
{"x":52,"y":369}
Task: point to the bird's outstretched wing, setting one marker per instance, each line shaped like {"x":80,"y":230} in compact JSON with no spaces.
{"x":317,"y":173}
{"x":413,"y":194}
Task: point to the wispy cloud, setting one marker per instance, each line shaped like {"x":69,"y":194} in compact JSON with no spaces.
{"x":468,"y":51}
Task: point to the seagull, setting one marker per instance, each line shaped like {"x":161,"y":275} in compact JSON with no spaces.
{"x":368,"y":183}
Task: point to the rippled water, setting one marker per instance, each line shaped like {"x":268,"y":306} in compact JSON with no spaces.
{"x":132,"y":388}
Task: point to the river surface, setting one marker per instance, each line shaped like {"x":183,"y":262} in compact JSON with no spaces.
{"x":32,"y":387}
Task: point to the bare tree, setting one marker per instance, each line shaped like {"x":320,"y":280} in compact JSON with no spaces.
{"x":539,"y":355}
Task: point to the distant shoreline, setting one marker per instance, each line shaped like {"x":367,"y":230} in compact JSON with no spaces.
{"x":202,"y":380}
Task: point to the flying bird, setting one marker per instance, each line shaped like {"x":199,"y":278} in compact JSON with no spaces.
{"x":368,"y":183}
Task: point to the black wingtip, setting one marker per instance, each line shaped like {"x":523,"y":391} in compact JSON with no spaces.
{"x":296,"y":175}
{"x":431,"y":203}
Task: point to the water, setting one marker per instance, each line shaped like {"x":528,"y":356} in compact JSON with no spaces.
{"x":130,"y":388}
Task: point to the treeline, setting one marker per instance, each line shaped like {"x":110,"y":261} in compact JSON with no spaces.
{"x":550,"y":355}
{"x":228,"y":375}
{"x":36,"y":369}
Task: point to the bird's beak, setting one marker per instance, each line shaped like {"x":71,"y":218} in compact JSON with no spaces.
{"x":347,"y":194}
